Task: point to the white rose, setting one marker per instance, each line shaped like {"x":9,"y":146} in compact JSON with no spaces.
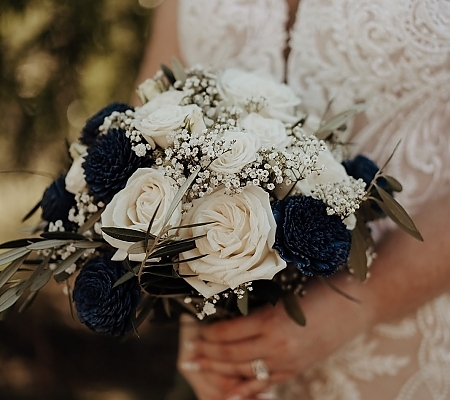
{"x":133,"y":207}
{"x":148,"y":90}
{"x":75,"y":178}
{"x":157,"y":126}
{"x":271,"y":132}
{"x":238,"y":244}
{"x":242,"y":148}
{"x":237,"y":87}
{"x":169,"y":98}
{"x":332,"y":172}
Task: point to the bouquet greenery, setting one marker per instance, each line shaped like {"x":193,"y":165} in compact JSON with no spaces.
{"x":218,"y":195}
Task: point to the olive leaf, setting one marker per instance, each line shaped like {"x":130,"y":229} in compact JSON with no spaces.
{"x":41,"y":280}
{"x":393,"y":183}
{"x":357,"y":259}
{"x":47,"y":244}
{"x":178,"y":70}
{"x":90,"y":222}
{"x":124,"y":234}
{"x":338,"y":120}
{"x":63,"y":235}
{"x":242,"y":302}
{"x":10,"y":296}
{"x":11,"y":269}
{"x":14,"y":244}
{"x":168,"y":74}
{"x":127,"y":276}
{"x":28,"y":301}
{"x":68,"y":261}
{"x":87,"y":244}
{"x":9,"y":256}
{"x":293,"y":309}
{"x":396,"y":212}
{"x":31,"y":212}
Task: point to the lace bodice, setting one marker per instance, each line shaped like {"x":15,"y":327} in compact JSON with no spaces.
{"x":394,"y":55}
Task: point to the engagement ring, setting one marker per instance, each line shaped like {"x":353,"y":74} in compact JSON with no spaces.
{"x":260,"y":370}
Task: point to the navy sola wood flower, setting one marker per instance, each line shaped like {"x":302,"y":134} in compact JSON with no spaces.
{"x":91,"y":129}
{"x":57,"y":202}
{"x":109,"y":162}
{"x":317,"y":243}
{"x":364,"y":168}
{"x":101,"y":307}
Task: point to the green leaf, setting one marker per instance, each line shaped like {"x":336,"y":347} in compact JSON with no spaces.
{"x":63,"y":235}
{"x":148,"y":235}
{"x":124,"y":234}
{"x":293,"y":309}
{"x":137,"y":248}
{"x":14,"y":244}
{"x":9,"y":256}
{"x":47,"y":244}
{"x":127,"y":276}
{"x":357,"y":259}
{"x":11,"y":269}
{"x":164,"y":271}
{"x":173,"y":249}
{"x":178,"y":70}
{"x":27,"y":303}
{"x":242,"y":303}
{"x":168,"y":74}
{"x":181,"y":192}
{"x":62,"y":266}
{"x":39,"y":270}
{"x":393,"y":183}
{"x":90,"y":222}
{"x":41,"y":280}
{"x":396,"y":212}
{"x":390,"y":157}
{"x":338,"y":120}
{"x":31,"y":212}
{"x":87,"y":244}
{"x":10,"y":296}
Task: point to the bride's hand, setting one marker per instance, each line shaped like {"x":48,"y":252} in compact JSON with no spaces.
{"x":208,"y":385}
{"x":230,"y":347}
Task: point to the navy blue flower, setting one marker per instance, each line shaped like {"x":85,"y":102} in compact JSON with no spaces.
{"x":57,"y":202}
{"x":364,"y":168}
{"x":109,"y":163}
{"x":317,"y":243}
{"x":101,"y":307}
{"x":90,"y":131}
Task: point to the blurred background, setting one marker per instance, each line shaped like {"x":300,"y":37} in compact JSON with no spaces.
{"x":61,"y":61}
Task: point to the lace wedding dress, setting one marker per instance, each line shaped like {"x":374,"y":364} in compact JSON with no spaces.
{"x":395,"y":55}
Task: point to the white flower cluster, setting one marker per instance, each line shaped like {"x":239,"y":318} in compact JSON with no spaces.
{"x":341,"y":198}
{"x":84,"y":209}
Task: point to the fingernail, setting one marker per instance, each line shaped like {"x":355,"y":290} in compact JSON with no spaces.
{"x":190,"y":366}
{"x":235,"y":397}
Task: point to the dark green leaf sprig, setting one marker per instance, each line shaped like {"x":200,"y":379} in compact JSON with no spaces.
{"x":376,"y":200}
{"x":28,"y":264}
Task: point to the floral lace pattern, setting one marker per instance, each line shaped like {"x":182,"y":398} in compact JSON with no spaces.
{"x":395,"y":55}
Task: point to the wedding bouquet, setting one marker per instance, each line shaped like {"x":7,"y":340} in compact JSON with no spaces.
{"x":218,"y":195}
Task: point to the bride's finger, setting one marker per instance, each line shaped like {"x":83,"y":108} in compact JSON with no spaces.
{"x":235,"y":352}
{"x":242,"y":370}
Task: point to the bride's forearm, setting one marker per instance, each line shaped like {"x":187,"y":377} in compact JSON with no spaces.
{"x":407,"y":273}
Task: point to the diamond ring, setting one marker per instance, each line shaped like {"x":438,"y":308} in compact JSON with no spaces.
{"x":260,"y":369}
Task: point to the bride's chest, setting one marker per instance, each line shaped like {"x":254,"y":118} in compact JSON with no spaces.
{"x":348,"y":37}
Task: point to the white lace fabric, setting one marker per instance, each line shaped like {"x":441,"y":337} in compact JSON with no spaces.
{"x":394,"y":55}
